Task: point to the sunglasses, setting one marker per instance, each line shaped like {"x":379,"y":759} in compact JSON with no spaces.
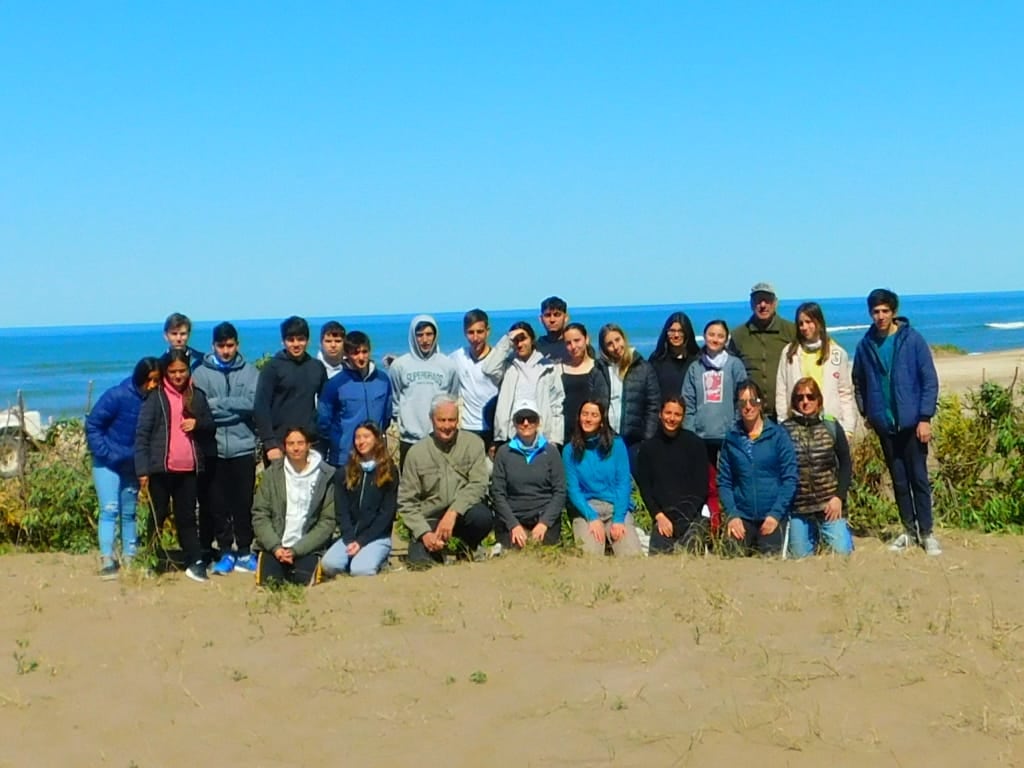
{"x":526,"y":418}
{"x":743,"y":402}
{"x":800,"y":396}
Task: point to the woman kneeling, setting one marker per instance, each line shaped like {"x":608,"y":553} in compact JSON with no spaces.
{"x":293,"y":513}
{"x":366,"y":497}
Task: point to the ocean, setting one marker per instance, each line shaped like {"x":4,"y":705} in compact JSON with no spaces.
{"x":60,"y":370}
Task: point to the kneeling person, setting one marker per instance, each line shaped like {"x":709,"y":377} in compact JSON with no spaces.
{"x":527,"y":484}
{"x":443,"y":484}
{"x":365,"y":497}
{"x":672,"y":474}
{"x":293,"y":514}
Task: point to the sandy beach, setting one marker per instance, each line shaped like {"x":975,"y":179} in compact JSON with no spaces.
{"x":958,"y":373}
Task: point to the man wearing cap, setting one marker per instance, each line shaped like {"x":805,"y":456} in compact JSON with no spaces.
{"x":527,"y":484}
{"x":444,"y":481}
{"x":760,"y":341}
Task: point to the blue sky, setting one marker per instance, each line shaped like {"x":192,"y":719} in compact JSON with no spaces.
{"x":240,"y":160}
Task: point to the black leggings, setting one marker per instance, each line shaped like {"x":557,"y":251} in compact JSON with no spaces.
{"x":179,"y":489}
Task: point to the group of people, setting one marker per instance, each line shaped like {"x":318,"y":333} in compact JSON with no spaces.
{"x":744,"y":440}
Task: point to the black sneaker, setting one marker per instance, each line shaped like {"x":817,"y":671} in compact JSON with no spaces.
{"x":109,"y":571}
{"x":197,"y":572}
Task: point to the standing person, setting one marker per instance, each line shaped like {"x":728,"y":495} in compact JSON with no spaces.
{"x":443,"y":488}
{"x":417,"y":377}
{"x":293,"y":513}
{"x":757,"y":477}
{"x":709,"y":389}
{"x":360,"y":392}
{"x":110,"y":435}
{"x":172,"y":437}
{"x":478,"y":392}
{"x":759,"y":342}
{"x":675,"y":351}
{"x":527,"y":484}
{"x":814,"y":354}
{"x":177,"y":330}
{"x":287,"y":390}
{"x":581,"y":377}
{"x":523,"y":373}
{"x":824,"y":466}
{"x":365,"y":501}
{"x":227,"y":484}
{"x":632,"y":382}
{"x":598,"y":485}
{"x":672,"y":476}
{"x":554,"y":316}
{"x":897,"y":389}
{"x":332,"y":347}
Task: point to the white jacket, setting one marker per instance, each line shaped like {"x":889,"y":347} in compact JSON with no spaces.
{"x":836,"y":389}
{"x":550,"y":393}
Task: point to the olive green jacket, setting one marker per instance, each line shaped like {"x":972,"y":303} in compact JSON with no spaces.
{"x":270,"y":508}
{"x":434,"y":481}
{"x":760,"y":349}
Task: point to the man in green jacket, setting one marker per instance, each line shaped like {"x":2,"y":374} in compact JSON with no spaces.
{"x":760,"y":341}
{"x":442,"y":490}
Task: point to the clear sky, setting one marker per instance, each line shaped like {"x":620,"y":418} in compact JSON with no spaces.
{"x":252,"y":159}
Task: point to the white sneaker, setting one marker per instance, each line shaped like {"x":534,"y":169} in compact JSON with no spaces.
{"x":901,"y":543}
{"x":931,"y":545}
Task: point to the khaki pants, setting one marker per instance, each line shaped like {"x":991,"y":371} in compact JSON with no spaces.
{"x":627,"y":546}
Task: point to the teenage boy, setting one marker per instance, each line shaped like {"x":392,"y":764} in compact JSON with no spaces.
{"x":177,"y":329}
{"x":288,"y":386}
{"x":360,"y":392}
{"x":332,"y":347}
{"x":226,"y":486}
{"x":759,"y":342}
{"x":897,"y":389}
{"x":478,"y":392}
{"x":554,"y":315}
{"x":417,"y":377}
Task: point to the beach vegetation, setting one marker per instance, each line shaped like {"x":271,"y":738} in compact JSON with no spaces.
{"x":946,"y":350}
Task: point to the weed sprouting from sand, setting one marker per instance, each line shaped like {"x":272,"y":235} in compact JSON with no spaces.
{"x":389,"y":618}
{"x":301,"y":621}
{"x":479,"y":677}
{"x":237,"y":675}
{"x":450,"y":680}
{"x":603,"y":590}
{"x":618,"y":704}
{"x":22,"y":663}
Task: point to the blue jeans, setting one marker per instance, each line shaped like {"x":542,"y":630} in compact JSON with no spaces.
{"x":367,"y":562}
{"x":805,"y":531}
{"x":118,"y":495}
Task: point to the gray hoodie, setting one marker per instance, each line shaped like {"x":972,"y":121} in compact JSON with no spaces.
{"x":416,"y":379}
{"x":230,"y":390}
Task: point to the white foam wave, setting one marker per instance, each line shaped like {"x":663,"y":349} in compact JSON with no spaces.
{"x":840,"y":328}
{"x":1014,"y":326}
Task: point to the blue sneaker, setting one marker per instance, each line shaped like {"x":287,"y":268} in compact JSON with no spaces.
{"x":246,"y":564}
{"x":224,"y":566}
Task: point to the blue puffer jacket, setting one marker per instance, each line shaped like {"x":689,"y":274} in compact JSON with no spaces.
{"x":110,"y":427}
{"x":757,"y":478}
{"x":348,"y":399}
{"x":915,"y":384}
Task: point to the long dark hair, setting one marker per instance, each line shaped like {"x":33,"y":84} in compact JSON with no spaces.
{"x":143,"y":368}
{"x":179,"y":356}
{"x":605,"y":436}
{"x":385,"y":471}
{"x":813,"y":310}
{"x":661,"y":349}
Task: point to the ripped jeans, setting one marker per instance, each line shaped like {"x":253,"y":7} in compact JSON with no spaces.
{"x":118,"y":495}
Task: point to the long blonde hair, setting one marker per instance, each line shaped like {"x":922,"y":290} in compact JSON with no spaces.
{"x":628,"y":353}
{"x":384,"y":473}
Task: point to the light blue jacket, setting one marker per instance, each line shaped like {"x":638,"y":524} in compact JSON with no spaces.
{"x":601,"y":479}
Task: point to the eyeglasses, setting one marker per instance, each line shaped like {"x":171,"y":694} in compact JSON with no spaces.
{"x":743,"y":402}
{"x":674,"y":332}
{"x":806,"y":396}
{"x":526,"y":418}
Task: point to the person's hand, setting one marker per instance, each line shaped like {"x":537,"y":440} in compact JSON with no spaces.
{"x":518,"y":535}
{"x":735,"y":528}
{"x":768,"y":526}
{"x":447,"y":525}
{"x":618,"y":531}
{"x":284,"y":555}
{"x":187,"y":425}
{"x":275,"y":454}
{"x":924,"y":432}
{"x":432,"y":542}
{"x":144,"y":484}
{"x":491,"y":451}
{"x":596,"y":528}
{"x":353,"y":549}
{"x":538,"y":532}
{"x":664,"y":525}
{"x":834,"y":509}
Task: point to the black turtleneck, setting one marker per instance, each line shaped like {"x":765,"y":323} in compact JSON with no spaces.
{"x":672,"y":474}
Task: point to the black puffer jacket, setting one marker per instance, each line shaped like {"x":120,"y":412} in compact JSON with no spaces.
{"x":153,"y":430}
{"x":641,"y":400}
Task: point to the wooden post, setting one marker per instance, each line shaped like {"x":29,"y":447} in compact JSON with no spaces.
{"x":88,"y":398}
{"x":22,"y":447}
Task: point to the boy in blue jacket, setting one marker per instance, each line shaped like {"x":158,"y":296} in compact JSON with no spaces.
{"x":897,"y":390}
